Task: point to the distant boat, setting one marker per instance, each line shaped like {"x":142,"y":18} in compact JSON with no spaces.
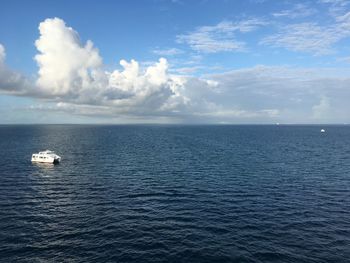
{"x":323,"y":130}
{"x":46,"y":157}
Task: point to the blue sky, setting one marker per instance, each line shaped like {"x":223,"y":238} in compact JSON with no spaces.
{"x":257,"y":61}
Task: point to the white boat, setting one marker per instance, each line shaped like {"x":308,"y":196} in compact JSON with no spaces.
{"x":46,"y":157}
{"x":323,"y":130}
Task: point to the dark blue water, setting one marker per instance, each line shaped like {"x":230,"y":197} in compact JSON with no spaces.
{"x":175,"y":194}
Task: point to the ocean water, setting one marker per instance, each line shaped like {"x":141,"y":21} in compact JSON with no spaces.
{"x":175,"y":194}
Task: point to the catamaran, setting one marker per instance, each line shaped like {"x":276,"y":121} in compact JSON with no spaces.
{"x":46,"y":157}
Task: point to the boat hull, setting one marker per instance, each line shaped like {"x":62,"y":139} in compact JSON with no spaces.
{"x":39,"y":159}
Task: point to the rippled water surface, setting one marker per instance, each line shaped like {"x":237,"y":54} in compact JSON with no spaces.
{"x":175,"y":194}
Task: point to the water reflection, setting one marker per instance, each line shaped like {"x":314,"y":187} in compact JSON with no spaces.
{"x":43,"y":169}
{"x":45,"y":166}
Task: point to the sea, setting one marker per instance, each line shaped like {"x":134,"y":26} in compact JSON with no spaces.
{"x":175,"y":193}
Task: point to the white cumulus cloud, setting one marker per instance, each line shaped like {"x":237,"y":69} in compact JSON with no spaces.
{"x":74,"y":72}
{"x":64,"y":63}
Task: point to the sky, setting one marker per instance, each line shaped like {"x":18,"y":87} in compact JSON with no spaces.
{"x":175,"y":61}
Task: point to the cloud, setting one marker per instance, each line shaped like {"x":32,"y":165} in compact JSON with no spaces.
{"x":73,"y":79}
{"x":321,"y":110}
{"x":73,"y":72}
{"x":11,"y":82}
{"x":65,"y":65}
{"x":2,"y":54}
{"x":260,"y":94}
{"x":240,"y":114}
{"x":187,"y":70}
{"x":221,"y":37}
{"x":283,"y":94}
{"x":298,"y":11}
{"x":305,"y":37}
{"x":311,"y":37}
{"x":168,"y":52}
{"x":150,"y":90}
{"x":344,"y":59}
{"x":336,"y":7}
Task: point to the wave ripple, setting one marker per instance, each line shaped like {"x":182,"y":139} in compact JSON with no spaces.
{"x":175,"y":194}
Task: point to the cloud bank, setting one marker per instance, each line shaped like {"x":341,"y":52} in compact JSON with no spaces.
{"x":72,"y":78}
{"x":73,"y":73}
